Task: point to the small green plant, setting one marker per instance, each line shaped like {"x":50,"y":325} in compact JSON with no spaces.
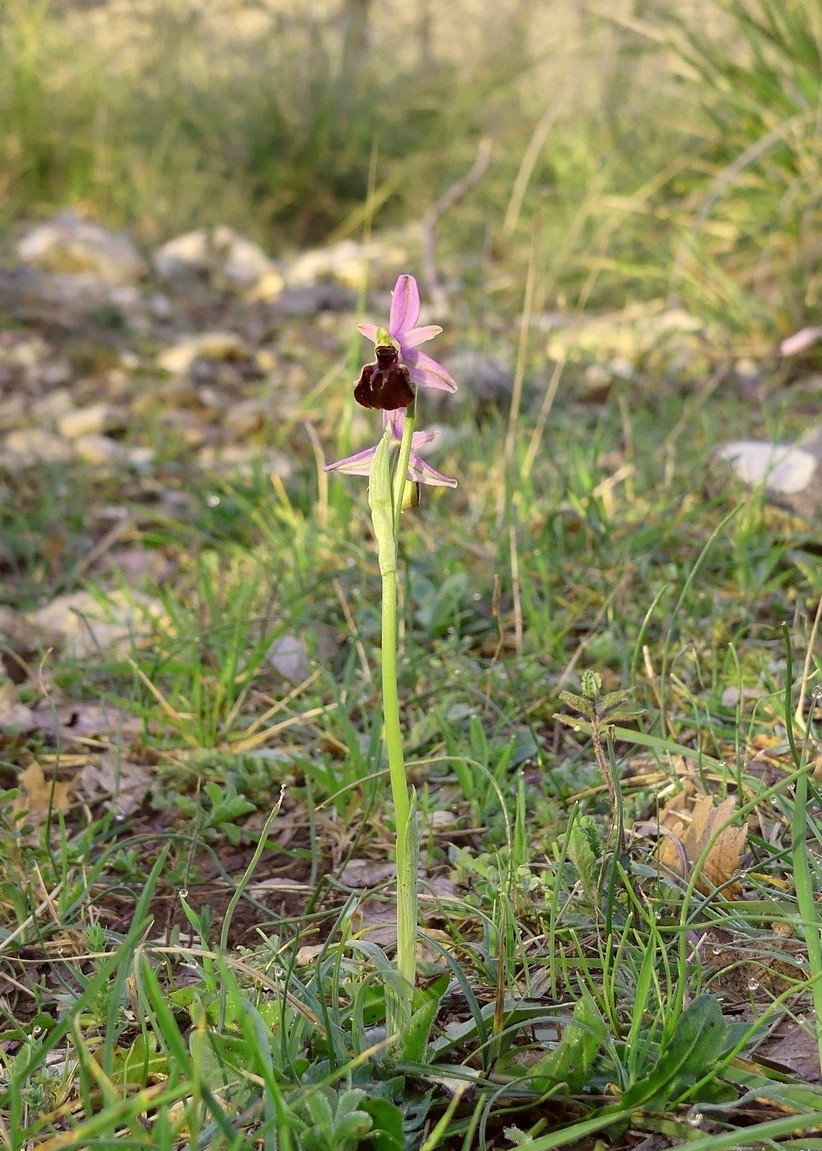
{"x":602,"y":712}
{"x":334,"y":1121}
{"x":216,"y":810}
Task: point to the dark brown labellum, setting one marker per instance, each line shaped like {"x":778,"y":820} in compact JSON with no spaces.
{"x":386,"y":384}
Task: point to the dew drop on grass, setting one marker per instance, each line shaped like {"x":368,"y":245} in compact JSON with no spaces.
{"x":183,"y":893}
{"x":753,"y":984}
{"x":716,"y":950}
{"x":695,"y":1118}
{"x":476,"y":597}
{"x":213,"y":500}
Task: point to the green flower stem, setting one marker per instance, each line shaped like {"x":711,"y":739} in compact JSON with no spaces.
{"x":401,"y":473}
{"x":385,"y":499}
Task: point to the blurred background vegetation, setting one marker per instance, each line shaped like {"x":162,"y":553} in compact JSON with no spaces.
{"x":653,"y":147}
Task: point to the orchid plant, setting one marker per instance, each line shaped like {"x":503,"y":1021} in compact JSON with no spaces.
{"x":396,"y":469}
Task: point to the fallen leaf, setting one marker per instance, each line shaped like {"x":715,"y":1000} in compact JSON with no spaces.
{"x":686,"y":837}
{"x":123,"y":784}
{"x":40,"y":795}
{"x":13,"y":713}
{"x":792,"y":1047}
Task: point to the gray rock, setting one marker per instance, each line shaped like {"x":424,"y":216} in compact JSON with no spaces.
{"x":213,"y":252}
{"x":70,"y":245}
{"x":310,"y":300}
{"x":98,"y":450}
{"x":346,"y":262}
{"x":82,"y":625}
{"x":488,"y":380}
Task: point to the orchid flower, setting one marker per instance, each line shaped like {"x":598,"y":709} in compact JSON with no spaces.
{"x":406,"y":336}
{"x":419,"y":469}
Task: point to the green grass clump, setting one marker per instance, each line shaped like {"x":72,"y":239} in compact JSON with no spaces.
{"x":753,"y":247}
{"x":209,"y":968}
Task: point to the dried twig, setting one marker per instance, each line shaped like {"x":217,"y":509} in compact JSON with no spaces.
{"x":430,"y":273}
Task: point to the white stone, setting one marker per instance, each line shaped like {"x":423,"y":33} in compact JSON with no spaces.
{"x":784,"y":470}
{"x":242,"y":261}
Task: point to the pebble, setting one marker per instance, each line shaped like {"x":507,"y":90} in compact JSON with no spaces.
{"x":244,"y":418}
{"x":215,"y":345}
{"x":289,"y":658}
{"x":90,"y":421}
{"x":27,"y":447}
{"x":98,"y":450}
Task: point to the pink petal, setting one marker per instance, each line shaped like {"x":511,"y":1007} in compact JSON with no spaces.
{"x":427,"y":373}
{"x":396,"y":421}
{"x":422,"y":472}
{"x":405,"y":306}
{"x":422,"y":439}
{"x":369,"y":331}
{"x":415,"y":336}
{"x":356,"y":465}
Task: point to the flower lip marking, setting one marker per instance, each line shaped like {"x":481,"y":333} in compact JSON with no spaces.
{"x":385,"y":384}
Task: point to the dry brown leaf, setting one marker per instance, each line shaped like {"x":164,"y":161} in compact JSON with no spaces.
{"x":41,"y":795}
{"x":13,"y":713}
{"x":793,"y":1047}
{"x":684,"y":842}
{"x":117,"y":782}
